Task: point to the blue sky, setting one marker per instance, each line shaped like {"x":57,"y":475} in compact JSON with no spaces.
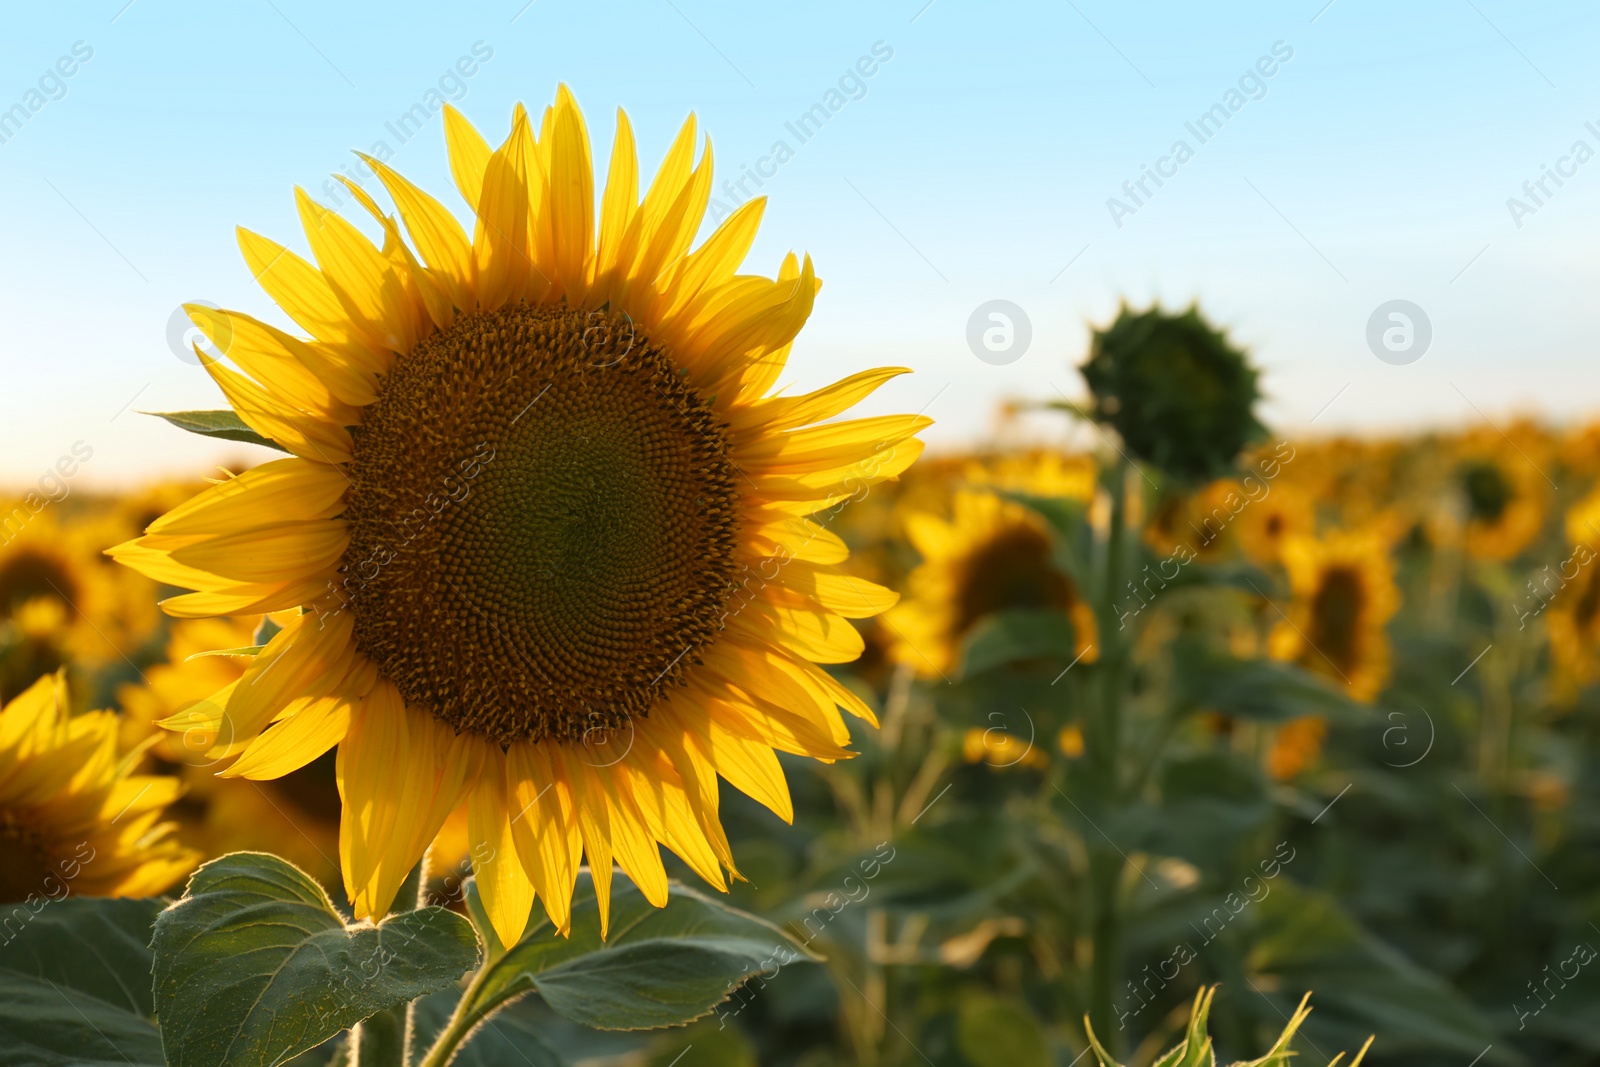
{"x":1375,"y":163}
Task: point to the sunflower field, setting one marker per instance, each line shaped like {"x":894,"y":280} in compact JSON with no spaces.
{"x":545,"y":684}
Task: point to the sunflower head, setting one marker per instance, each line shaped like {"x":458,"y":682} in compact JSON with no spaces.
{"x":1180,"y":395}
{"x":557,"y":552}
{"x":991,"y":555}
{"x":73,"y":817}
{"x":1502,"y":492}
{"x":1344,"y":595}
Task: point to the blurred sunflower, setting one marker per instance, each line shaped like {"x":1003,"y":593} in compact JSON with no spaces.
{"x":61,"y":601}
{"x":1039,"y":472}
{"x":552,"y":526}
{"x":296,"y":816}
{"x":1296,"y":746}
{"x":74,"y":818}
{"x":1270,"y":522}
{"x":992,"y":555}
{"x":1573,"y":618}
{"x":1196,"y":523}
{"x":1503,"y":494}
{"x":1344,"y":594}
{"x":1000,"y":750}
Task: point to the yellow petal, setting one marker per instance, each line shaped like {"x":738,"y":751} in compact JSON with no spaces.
{"x":504,"y":887}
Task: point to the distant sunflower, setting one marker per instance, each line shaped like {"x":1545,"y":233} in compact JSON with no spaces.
{"x":992,"y":555}
{"x":61,"y":600}
{"x":1344,"y":595}
{"x":296,"y":816}
{"x":74,"y":819}
{"x":1573,"y":618}
{"x":1296,"y":746}
{"x":1195,"y":523}
{"x":549,"y":523}
{"x":1504,"y":497}
{"x":1269,"y":523}
{"x":1042,"y":473}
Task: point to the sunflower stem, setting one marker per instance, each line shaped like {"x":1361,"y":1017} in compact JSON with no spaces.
{"x":1105,"y":860}
{"x":474,"y":1007}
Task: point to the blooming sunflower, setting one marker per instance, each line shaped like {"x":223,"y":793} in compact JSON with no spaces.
{"x":73,"y":816}
{"x":296,"y":816}
{"x":549,"y":523}
{"x":1572,"y":589}
{"x":1504,"y":494}
{"x":61,"y":600}
{"x":1268,"y":523}
{"x":1035,"y":473}
{"x":992,"y":555}
{"x":1296,"y":746}
{"x":1344,"y":594}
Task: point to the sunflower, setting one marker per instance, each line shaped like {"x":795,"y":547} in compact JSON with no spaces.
{"x":993,"y":555}
{"x":1000,"y":749}
{"x":1296,"y":746}
{"x":61,"y":600}
{"x":550,"y":528}
{"x":1344,"y":594}
{"x":73,"y":816}
{"x":1572,"y":591}
{"x":1195,"y":523}
{"x":1042,"y":473}
{"x":1503,"y":493}
{"x":1268,"y":523}
{"x":296,"y":816}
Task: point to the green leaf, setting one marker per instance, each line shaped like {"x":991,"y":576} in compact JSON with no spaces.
{"x":223,"y":424}
{"x":75,"y":983}
{"x":659,"y":966}
{"x":1306,"y":940}
{"x":1020,"y":634}
{"x":1257,"y":688}
{"x":253,"y":965}
{"x":991,"y":1032}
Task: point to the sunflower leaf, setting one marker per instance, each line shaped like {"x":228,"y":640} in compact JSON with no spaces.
{"x":75,"y":983}
{"x":253,"y":965}
{"x":224,"y":425}
{"x":658,"y":966}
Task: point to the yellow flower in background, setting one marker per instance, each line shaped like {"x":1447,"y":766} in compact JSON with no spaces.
{"x":1267,"y":524}
{"x":1344,"y":594}
{"x":74,"y":819}
{"x":1572,"y":590}
{"x":992,"y":555}
{"x":61,"y":600}
{"x":1296,"y":746}
{"x":1197,"y":523}
{"x":1503,"y":492}
{"x":550,"y":524}
{"x":1000,"y":749}
{"x":1037,"y":472}
{"x":296,"y":816}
